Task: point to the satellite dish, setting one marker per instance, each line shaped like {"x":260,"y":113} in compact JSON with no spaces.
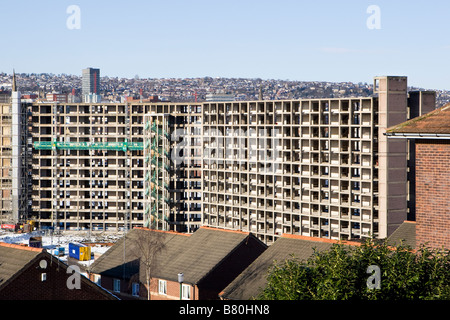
{"x":43,"y":264}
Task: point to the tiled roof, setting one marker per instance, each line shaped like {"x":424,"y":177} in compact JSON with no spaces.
{"x":405,"y":234}
{"x":194,"y":255}
{"x":201,"y":253}
{"x":434,"y":122}
{"x":16,"y":259}
{"x":253,"y":279}
{"x":121,"y":260}
{"x":13,"y":258}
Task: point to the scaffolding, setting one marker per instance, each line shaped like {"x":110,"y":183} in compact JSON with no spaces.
{"x":5,"y":163}
{"x":88,"y":170}
{"x":20,"y":160}
{"x":15,"y":158}
{"x":156,"y":172}
{"x":116,"y":146}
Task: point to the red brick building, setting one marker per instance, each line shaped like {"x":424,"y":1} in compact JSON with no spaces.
{"x":431,"y":133}
{"x":209,"y":260}
{"x":34,"y":274}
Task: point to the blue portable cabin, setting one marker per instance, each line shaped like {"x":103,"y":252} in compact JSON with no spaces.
{"x":59,"y":252}
{"x":79,"y":251}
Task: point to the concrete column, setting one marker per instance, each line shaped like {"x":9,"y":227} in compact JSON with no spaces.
{"x":16,"y":155}
{"x":392,"y":153}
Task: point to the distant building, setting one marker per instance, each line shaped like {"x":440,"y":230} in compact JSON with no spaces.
{"x":29,"y":96}
{"x":90,"y":83}
{"x":5,"y":96}
{"x":431,"y":135}
{"x":219,"y":97}
{"x":92,"y":98}
{"x":73,"y":98}
{"x":58,"y":97}
{"x":136,"y":98}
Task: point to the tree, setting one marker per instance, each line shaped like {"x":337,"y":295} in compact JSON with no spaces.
{"x":147,"y":247}
{"x":345,"y":273}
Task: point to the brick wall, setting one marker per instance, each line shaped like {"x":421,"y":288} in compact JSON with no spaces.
{"x":173,"y":290}
{"x":28,"y":285}
{"x":126,"y":289}
{"x":172,"y":293}
{"x":433,"y":193}
{"x":209,"y":287}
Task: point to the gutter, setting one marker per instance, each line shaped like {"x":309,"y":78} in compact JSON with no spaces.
{"x":442,"y":136}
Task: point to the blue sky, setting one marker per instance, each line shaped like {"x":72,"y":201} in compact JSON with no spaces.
{"x":320,"y":40}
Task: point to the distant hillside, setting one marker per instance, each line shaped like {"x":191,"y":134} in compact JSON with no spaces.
{"x":191,"y":89}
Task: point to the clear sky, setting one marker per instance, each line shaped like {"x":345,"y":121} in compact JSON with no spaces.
{"x":320,"y":40}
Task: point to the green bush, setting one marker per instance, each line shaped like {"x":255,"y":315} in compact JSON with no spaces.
{"x":341,"y":273}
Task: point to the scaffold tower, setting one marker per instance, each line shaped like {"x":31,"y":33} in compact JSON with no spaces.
{"x":156,"y":172}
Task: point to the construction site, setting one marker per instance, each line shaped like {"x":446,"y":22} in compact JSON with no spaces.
{"x":315,"y":167}
{"x":81,"y":167}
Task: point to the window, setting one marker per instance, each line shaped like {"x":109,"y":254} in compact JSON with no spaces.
{"x":135,"y":289}
{"x":97,"y":279}
{"x":116,"y":285}
{"x":186,"y":292}
{"x":162,"y":287}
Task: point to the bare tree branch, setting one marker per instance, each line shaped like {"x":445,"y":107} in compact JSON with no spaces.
{"x":147,"y":247}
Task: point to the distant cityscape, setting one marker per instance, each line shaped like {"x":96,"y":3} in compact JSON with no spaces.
{"x":265,"y":170}
{"x":115,"y":89}
{"x":224,"y":155}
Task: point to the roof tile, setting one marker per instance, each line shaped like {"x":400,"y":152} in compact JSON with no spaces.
{"x":434,"y":122}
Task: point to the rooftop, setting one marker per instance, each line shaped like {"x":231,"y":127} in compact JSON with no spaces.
{"x":253,"y":279}
{"x":193,"y":254}
{"x":436,"y":122}
{"x":405,"y":234}
{"x":250,"y":282}
{"x":14,"y":258}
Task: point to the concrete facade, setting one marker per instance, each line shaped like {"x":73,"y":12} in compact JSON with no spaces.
{"x":312,"y":167}
{"x":5,"y":164}
{"x":102,"y":188}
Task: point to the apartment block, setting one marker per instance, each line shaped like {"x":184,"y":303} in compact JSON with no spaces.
{"x":86,"y":166}
{"x":297,"y":167}
{"x":172,"y":167}
{"x":310,"y":167}
{"x":15,"y":159}
{"x":91,"y":85}
{"x":5,"y":164}
{"x":108,"y":167}
{"x":313,"y":167}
